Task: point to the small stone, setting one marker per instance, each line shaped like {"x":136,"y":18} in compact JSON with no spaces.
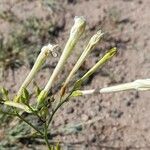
{"x":94,"y":127}
{"x":66,"y":121}
{"x":92,"y":138}
{"x":127,"y":0}
{"x":70,"y":110}
{"x":137,"y":95}
{"x":125,"y":39}
{"x":115,"y":113}
{"x":140,"y":2}
{"x":86,"y":145}
{"x":98,"y":108}
{"x":128,"y":103}
{"x":92,"y":113}
{"x":72,"y":1}
{"x":84,"y":117}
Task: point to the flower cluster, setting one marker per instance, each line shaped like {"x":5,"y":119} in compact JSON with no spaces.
{"x":22,"y":98}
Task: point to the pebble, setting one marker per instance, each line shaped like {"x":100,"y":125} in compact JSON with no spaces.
{"x":115,"y":113}
{"x":70,"y":110}
{"x":92,"y":113}
{"x":92,"y":138}
{"x":84,"y":117}
{"x":129,"y":103}
{"x":72,"y":1}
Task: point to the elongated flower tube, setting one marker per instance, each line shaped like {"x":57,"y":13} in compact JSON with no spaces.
{"x":17,"y":105}
{"x":139,"y":85}
{"x":92,"y":43}
{"x":76,"y":32}
{"x":44,"y":54}
{"x":98,"y":65}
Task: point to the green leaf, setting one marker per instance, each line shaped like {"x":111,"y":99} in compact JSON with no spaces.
{"x":37,"y":91}
{"x":43,"y":112}
{"x":52,"y":147}
{"x":4,"y":93}
{"x":22,"y":99}
{"x":77,"y":84}
{"x":26,"y":93}
{"x":76,"y":93}
{"x":25,"y":96}
{"x":17,"y":105}
{"x":58,"y":147}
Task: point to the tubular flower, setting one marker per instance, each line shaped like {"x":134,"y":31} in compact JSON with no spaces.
{"x":75,"y":33}
{"x":98,"y":65}
{"x":92,"y":43}
{"x":44,"y":54}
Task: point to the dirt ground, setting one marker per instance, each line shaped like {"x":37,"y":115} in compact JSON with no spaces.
{"x":117,"y":121}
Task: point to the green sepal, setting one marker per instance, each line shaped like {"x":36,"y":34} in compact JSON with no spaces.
{"x":76,"y":93}
{"x":25,"y":96}
{"x":41,"y":99}
{"x":37,"y":91}
{"x":43,"y":112}
{"x":58,"y":147}
{"x":4,"y":93}
{"x":77,"y":84}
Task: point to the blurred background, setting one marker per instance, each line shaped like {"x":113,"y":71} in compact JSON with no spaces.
{"x":113,"y":121}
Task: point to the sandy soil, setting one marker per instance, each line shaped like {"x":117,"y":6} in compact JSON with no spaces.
{"x":120,"y":120}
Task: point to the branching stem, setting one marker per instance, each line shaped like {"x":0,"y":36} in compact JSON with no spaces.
{"x":35,"y":128}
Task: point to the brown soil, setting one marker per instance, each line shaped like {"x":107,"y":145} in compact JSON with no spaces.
{"x":120,"y":120}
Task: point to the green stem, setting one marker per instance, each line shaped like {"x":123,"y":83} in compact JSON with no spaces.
{"x":51,"y":117}
{"x":31,"y":125}
{"x":46,"y":137}
{"x":57,"y":107}
{"x":35,"y":128}
{"x":34,"y":112}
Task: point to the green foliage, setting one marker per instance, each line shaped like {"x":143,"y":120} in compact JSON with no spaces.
{"x":4,"y":94}
{"x":21,"y":130}
{"x":25,"y":96}
{"x":57,"y":147}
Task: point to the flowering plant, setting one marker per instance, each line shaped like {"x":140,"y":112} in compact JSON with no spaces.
{"x":45,"y":106}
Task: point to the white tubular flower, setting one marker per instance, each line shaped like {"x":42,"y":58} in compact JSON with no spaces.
{"x":44,"y":54}
{"x":76,"y":32}
{"x":139,"y":85}
{"x":92,"y":43}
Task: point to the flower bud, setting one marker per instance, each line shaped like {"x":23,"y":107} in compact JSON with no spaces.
{"x":98,"y":65}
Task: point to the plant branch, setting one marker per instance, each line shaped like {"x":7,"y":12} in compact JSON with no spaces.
{"x":46,"y":136}
{"x":35,"y":128}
